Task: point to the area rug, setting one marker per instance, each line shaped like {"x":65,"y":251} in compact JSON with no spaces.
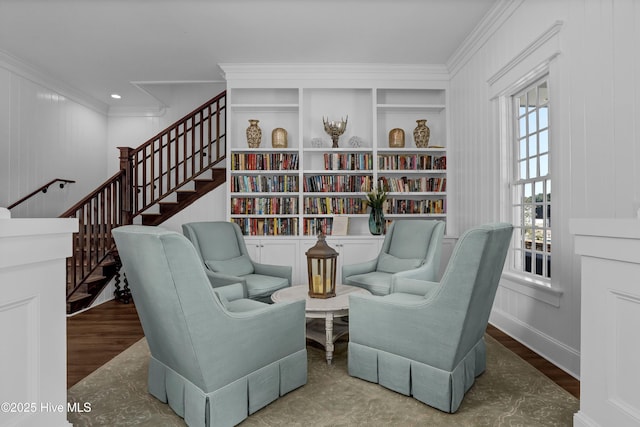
{"x":510,"y":393}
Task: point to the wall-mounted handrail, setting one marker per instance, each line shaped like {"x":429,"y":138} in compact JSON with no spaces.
{"x":42,"y":188}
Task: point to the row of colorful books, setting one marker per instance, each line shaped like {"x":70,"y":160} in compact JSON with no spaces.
{"x":264,"y":183}
{"x":409,"y":185}
{"x":338,"y":183}
{"x":411,"y":162}
{"x":268,"y":226}
{"x":264,"y":205}
{"x":408,"y":206}
{"x":348,"y":161}
{"x":334,"y":205}
{"x":264,"y":161}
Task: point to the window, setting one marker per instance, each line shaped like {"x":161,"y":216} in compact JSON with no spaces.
{"x":531,"y":181}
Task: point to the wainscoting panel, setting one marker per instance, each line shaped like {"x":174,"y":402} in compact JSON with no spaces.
{"x":610,"y":259}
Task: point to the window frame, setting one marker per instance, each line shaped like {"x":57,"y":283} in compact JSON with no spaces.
{"x":529,"y":181}
{"x":519,"y":280}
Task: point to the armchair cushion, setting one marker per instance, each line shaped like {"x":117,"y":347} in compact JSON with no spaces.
{"x":377,"y":282}
{"x":391,"y":264}
{"x":238,"y":266}
{"x":411,"y":250}
{"x":259,"y":285}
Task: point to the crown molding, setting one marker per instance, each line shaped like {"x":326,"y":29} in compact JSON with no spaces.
{"x":527,"y":51}
{"x":21,"y":68}
{"x":330,"y":71}
{"x":489,"y":24}
{"x":127,"y":111}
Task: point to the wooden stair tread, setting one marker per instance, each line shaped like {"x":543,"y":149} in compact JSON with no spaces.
{"x":78,"y":296}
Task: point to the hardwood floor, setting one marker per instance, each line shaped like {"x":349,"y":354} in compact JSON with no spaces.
{"x":96,"y":336}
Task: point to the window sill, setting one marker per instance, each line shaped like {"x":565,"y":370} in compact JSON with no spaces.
{"x":537,"y":289}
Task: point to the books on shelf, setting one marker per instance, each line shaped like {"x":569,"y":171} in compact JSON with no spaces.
{"x":348,"y":161}
{"x":264,"y":205}
{"x":264,"y":184}
{"x":268,"y":226}
{"x":334,"y":205}
{"x":412,"y":206}
{"x":337,"y":183}
{"x":264,"y":161}
{"x":411,"y":162}
{"x":408,"y":185}
{"x":313,"y":226}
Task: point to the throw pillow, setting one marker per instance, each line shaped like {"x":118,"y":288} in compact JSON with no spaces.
{"x":391,"y":264}
{"x":238,"y":266}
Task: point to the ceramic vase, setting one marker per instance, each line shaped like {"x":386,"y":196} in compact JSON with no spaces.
{"x":254,"y":134}
{"x":396,"y":138}
{"x":376,"y":222}
{"x":421,"y":134}
{"x":279,"y":138}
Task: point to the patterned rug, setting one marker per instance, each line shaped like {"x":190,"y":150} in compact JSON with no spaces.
{"x":510,"y":393}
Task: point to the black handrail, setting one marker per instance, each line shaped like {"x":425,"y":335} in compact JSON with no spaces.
{"x":43,"y":188}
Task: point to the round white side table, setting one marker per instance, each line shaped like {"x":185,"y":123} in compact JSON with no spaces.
{"x":317,"y":309}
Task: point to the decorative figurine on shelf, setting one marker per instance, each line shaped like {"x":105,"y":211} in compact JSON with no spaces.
{"x":375,"y":200}
{"x":421,"y":134}
{"x":396,"y":138}
{"x":335,"y":128}
{"x":279,"y":138}
{"x":321,"y":266}
{"x":356,"y":142}
{"x":254,"y":134}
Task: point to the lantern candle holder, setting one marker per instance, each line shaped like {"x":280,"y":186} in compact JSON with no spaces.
{"x":321,"y":266}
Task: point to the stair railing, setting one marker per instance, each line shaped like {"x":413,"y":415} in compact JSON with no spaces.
{"x":97,"y":214}
{"x":148,"y":174}
{"x":42,"y":188}
{"x":175,"y":156}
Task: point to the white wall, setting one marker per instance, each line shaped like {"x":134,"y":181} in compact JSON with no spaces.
{"x":132,"y":127}
{"x":595,"y":93}
{"x":45,"y":135}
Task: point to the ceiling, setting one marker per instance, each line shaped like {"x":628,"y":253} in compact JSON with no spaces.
{"x":130,"y":47}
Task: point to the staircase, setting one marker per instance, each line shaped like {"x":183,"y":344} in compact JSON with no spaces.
{"x":156,"y":180}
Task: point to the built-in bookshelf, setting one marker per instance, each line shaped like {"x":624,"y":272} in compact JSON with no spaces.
{"x":297,"y":190}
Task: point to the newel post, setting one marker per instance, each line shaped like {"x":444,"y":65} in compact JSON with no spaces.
{"x":126,"y":166}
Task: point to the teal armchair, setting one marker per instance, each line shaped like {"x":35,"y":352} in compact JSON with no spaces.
{"x":426,"y":339}
{"x":215,"y":360}
{"x":221,"y":248}
{"x":411,"y":249}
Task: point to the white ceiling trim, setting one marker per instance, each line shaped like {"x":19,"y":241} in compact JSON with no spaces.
{"x":346,"y":74}
{"x":22,"y":69}
{"x":489,"y":24}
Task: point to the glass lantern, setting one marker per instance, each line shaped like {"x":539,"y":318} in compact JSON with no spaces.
{"x":321,"y":266}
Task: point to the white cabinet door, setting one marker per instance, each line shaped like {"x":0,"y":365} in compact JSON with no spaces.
{"x":275,"y":251}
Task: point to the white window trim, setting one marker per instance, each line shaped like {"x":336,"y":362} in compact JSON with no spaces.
{"x":531,"y":64}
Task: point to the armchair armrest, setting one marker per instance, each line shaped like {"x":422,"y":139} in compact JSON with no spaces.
{"x":284,"y":271}
{"x":359,"y":268}
{"x":231,"y":292}
{"x":424,"y":272}
{"x":412,"y":286}
{"x":218,"y":280}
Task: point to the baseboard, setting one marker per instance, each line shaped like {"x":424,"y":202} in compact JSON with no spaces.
{"x":561,"y":355}
{"x":582,"y":420}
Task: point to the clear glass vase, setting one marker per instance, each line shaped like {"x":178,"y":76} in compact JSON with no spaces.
{"x":376,"y":222}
